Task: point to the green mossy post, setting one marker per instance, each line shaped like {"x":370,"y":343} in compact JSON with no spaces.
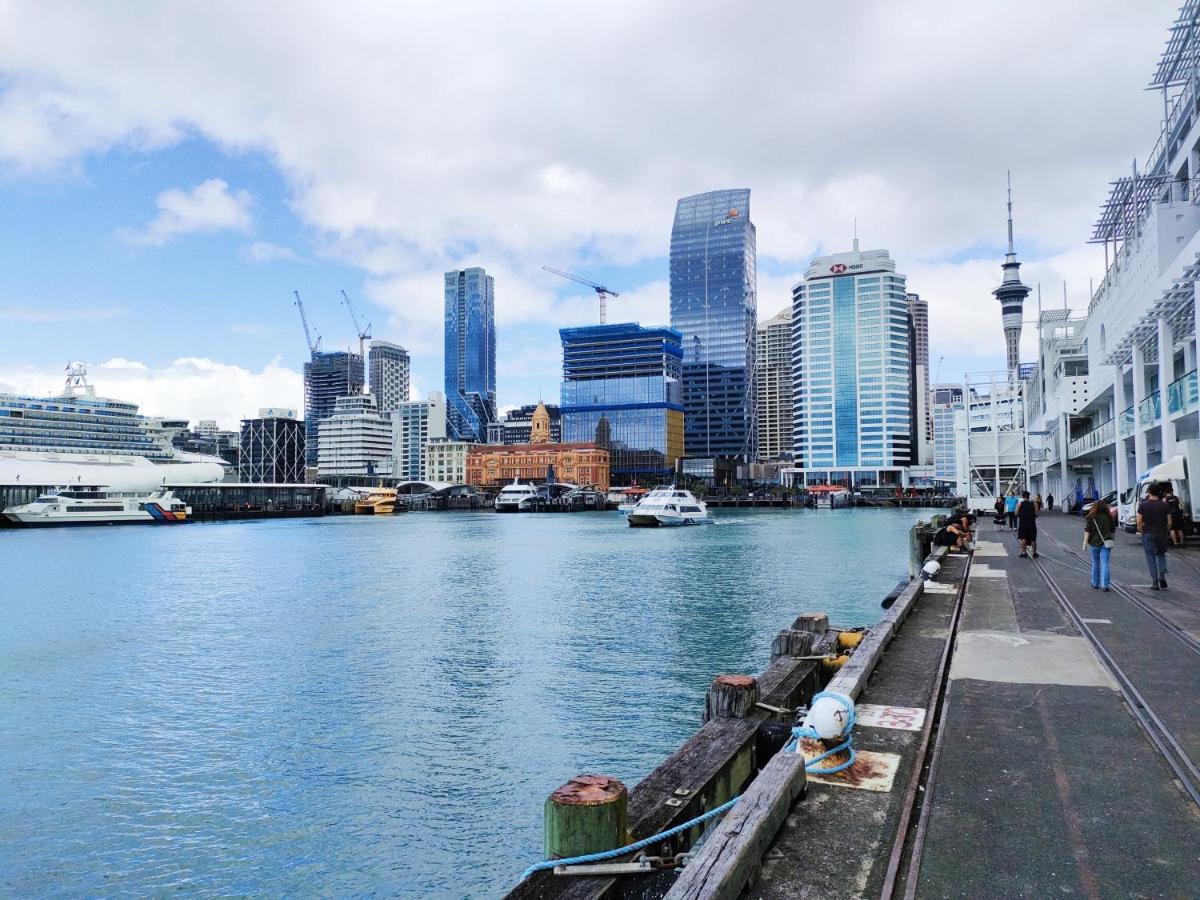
{"x":588,"y":814}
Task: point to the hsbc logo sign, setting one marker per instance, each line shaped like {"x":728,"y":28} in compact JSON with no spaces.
{"x":838,"y":268}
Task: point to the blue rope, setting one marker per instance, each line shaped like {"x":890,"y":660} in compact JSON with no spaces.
{"x":638,"y":845}
{"x":810,"y":732}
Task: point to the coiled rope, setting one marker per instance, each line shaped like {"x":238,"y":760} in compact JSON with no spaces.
{"x":807,"y":731}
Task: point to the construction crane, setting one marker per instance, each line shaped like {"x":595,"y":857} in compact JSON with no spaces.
{"x":364,"y":334}
{"x":937,"y":377}
{"x":601,"y":291}
{"x":314,"y":347}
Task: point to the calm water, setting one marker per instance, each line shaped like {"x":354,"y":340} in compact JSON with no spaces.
{"x":350,"y":706}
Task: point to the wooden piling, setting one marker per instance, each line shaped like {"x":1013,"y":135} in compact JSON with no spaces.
{"x":731,"y":697}
{"x":791,"y":642}
{"x":817,"y":623}
{"x":588,"y":814}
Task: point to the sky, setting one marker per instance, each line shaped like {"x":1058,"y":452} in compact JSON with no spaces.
{"x":171,"y":173}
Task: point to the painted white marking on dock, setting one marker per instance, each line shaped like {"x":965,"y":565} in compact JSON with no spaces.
{"x":983,"y":570}
{"x":904,"y":718}
{"x":988,"y":548}
{"x":933,"y":587}
{"x":871,"y":772}
{"x":1098,"y":621}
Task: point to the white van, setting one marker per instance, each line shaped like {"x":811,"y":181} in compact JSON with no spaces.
{"x":1182,"y":471}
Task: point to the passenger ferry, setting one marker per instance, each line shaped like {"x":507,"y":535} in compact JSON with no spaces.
{"x":94,"y":506}
{"x":829,"y":496}
{"x":667,"y":506}
{"x":379,"y":502}
{"x":626,"y":498}
{"x":516,"y":497}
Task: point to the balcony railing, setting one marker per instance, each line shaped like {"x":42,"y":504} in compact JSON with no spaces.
{"x":1127,"y":420}
{"x":1183,"y":394}
{"x":1097,"y":437}
{"x":1150,"y":410}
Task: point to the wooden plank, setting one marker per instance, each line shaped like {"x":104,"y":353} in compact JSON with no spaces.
{"x":732,"y":854}
{"x":852,"y":677}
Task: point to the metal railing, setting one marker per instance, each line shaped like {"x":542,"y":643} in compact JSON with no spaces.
{"x":1150,"y":409}
{"x":1102,"y":434}
{"x":1183,"y":394}
{"x":1127,"y":421}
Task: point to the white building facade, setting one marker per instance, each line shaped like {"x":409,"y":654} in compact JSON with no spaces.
{"x":945,"y":402}
{"x":446,"y":461}
{"x":355,"y":440}
{"x":388,"y":367}
{"x":414,"y":425}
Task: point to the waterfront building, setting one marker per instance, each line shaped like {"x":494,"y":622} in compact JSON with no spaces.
{"x":355,"y":439}
{"x":945,"y":402}
{"x":851,"y":372}
{"x":272,"y":448}
{"x":714,"y":307}
{"x":773,"y":384}
{"x":574,"y":463}
{"x":1143,"y":319}
{"x":208,"y":440}
{"x":327,"y":376}
{"x":918,"y":311}
{"x":621,"y":392}
{"x":470,"y":353}
{"x":414,"y":425}
{"x":446,"y":460}
{"x":516,"y":425}
{"x":206,"y":428}
{"x":388,"y":366}
{"x":1011,"y":294}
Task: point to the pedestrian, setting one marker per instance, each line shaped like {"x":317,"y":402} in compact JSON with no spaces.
{"x":1177,"y":536}
{"x":1026,"y":516}
{"x":1098,"y":529}
{"x":1000,"y":517}
{"x":1154,"y":525}
{"x":1037,"y":500}
{"x":1010,"y":509}
{"x":1049,"y":501}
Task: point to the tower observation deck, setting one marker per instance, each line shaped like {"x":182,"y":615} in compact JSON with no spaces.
{"x":1011,"y":294}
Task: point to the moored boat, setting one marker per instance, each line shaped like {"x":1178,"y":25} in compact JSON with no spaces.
{"x":516,"y":497}
{"x":379,"y":502}
{"x":95,"y":506}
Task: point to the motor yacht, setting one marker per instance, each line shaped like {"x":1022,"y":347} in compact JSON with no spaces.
{"x":667,"y":506}
{"x":96,"y":506}
{"x":516,"y":497}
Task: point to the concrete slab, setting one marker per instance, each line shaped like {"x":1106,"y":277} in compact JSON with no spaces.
{"x":933,"y":587}
{"x":990,"y":549}
{"x":983,"y":570}
{"x":988,"y":606}
{"x":906,"y":718}
{"x":1029,"y":657}
{"x":871,"y":771}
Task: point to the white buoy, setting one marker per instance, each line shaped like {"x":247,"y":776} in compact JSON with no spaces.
{"x":930,"y":569}
{"x":829,"y":715}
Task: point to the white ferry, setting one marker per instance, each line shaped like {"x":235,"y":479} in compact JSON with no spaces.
{"x":516,"y":497}
{"x":93,"y":506}
{"x":668,"y":506}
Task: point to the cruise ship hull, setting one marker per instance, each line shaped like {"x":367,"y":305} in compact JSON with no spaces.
{"x":117,"y":473}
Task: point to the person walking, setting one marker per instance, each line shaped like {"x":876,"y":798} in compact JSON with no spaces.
{"x":1098,"y":529}
{"x":1037,"y":500}
{"x":1010,"y":509}
{"x":1026,"y":516}
{"x":1177,"y":536}
{"x":1049,"y":502}
{"x":1154,"y":524}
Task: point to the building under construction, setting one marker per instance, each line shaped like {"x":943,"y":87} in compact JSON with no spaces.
{"x":327,"y":376}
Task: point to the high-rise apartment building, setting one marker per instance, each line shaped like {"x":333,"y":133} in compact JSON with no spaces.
{"x":327,"y":376}
{"x":355,"y":440}
{"x":851,"y":371}
{"x":621,"y":392}
{"x":388,"y":366}
{"x":414,"y":425}
{"x":945,"y":402}
{"x":713,"y":305}
{"x":773,"y":385}
{"x":272,"y":448}
{"x":470,"y":354}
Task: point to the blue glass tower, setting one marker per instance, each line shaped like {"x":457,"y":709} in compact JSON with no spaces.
{"x":714,"y":307}
{"x":470,"y":354}
{"x":327,"y":376}
{"x":621,"y":391}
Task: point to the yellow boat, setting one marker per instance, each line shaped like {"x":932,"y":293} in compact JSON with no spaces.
{"x":378,"y":502}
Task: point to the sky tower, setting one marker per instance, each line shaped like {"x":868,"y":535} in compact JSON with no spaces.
{"x":1011,"y":294}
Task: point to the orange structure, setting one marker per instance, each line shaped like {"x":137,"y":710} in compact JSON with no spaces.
{"x":495,"y":465}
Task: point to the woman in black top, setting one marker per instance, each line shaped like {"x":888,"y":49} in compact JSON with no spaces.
{"x":1027,"y":525}
{"x":1098,"y":528}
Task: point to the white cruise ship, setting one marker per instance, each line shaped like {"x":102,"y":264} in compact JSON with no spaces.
{"x":79,"y":439}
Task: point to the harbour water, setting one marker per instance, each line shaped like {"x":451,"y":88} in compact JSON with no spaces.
{"x":352,"y":705}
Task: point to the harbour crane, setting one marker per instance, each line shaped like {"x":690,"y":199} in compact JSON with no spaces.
{"x":364,"y":334}
{"x":601,"y":291}
{"x":314,"y":347}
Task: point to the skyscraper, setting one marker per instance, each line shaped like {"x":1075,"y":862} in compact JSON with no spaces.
{"x":918,"y":312}
{"x":414,"y":424}
{"x":470,"y":354}
{"x":713,"y":305}
{"x":327,"y":376}
{"x":389,"y":370}
{"x":773,"y":384}
{"x":1011,"y":294}
{"x":621,"y":392}
{"x":851,"y":379}
{"x":945,"y":400}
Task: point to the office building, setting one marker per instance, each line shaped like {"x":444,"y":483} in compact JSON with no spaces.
{"x":713,"y":306}
{"x":272,"y":448}
{"x":578,"y":464}
{"x":773,"y":384}
{"x":389,"y":370}
{"x":470,"y":354}
{"x":414,"y":425}
{"x":851,"y":371}
{"x":516,"y":425}
{"x":446,"y":460}
{"x":918,"y":311}
{"x":327,"y":376}
{"x":622,"y":392}
{"x":355,"y":439}
{"x":945,"y":402}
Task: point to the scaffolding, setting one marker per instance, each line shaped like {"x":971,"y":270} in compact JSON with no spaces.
{"x":272,"y":451}
{"x":990,"y":438}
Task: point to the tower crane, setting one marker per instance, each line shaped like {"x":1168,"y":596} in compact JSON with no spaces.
{"x":364,"y":334}
{"x":314,"y":347}
{"x":601,"y":291}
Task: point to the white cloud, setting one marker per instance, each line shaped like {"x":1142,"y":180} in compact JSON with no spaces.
{"x":42,"y":314}
{"x":207,"y":208}
{"x":265,"y":251}
{"x":189,"y":387}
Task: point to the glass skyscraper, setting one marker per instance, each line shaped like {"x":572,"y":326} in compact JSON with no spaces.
{"x":852,"y":371}
{"x":470,"y":354}
{"x":621,"y":390}
{"x":713,"y":305}
{"x":327,"y":376}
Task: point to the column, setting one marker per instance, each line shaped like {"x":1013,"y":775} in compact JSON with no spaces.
{"x":1139,"y":394}
{"x":1120,"y":464}
{"x":1064,"y":443}
{"x":1166,"y":374}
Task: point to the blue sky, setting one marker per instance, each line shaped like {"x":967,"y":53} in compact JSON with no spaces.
{"x":167,"y":179}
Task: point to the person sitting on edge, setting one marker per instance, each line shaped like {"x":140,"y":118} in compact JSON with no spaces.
{"x":951,"y":536}
{"x":1154,"y":524}
{"x":1026,"y":517}
{"x":1177,"y":536}
{"x":1010,"y":509}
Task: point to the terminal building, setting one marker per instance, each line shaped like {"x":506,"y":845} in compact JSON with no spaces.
{"x":272,"y":448}
{"x":578,"y":464}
